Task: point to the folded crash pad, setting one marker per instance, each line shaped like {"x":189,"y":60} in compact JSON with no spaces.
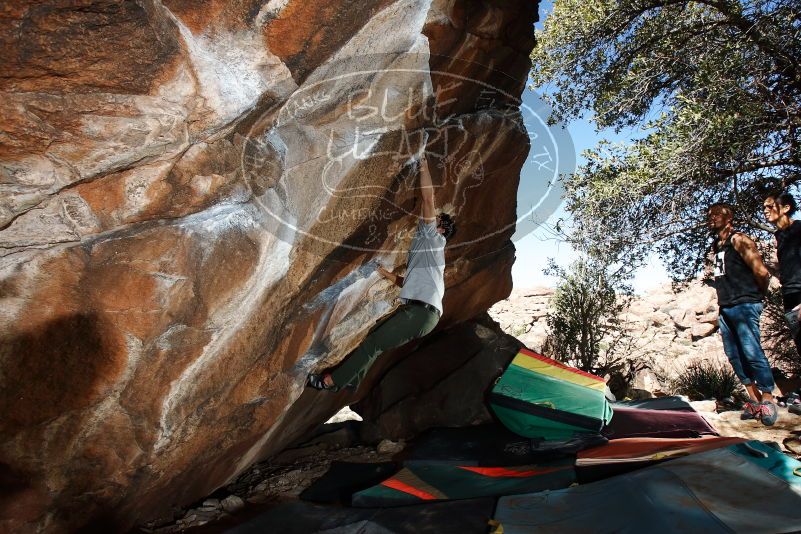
{"x":538,"y":397}
{"x":639,"y":422}
{"x":433,"y":482}
{"x":748,"y":487}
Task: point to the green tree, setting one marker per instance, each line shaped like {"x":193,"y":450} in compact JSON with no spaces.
{"x":583,"y":316}
{"x":716,"y":87}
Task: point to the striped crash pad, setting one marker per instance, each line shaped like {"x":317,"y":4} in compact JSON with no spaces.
{"x":748,"y":487}
{"x":437,"y":481}
{"x":538,"y":397}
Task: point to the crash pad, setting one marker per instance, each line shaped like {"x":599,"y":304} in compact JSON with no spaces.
{"x":538,"y":397}
{"x":343,"y":479}
{"x":624,"y":455}
{"x":675,"y":403}
{"x":641,"y":423}
{"x":748,"y":487}
{"x":436,"y":481}
{"x":464,"y":517}
{"x":646,"y":449}
{"x":490,"y":444}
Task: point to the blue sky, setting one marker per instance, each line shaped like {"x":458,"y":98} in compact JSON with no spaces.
{"x":535,"y":247}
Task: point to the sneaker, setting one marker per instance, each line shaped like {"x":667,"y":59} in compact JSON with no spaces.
{"x":795,"y":409}
{"x":318,"y":382}
{"x":769,"y":413}
{"x":750,"y":411}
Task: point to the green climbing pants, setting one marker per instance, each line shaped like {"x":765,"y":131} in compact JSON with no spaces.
{"x":410,"y":321}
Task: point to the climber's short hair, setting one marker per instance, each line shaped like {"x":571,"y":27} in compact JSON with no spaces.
{"x":447,"y":223}
{"x":722,"y":206}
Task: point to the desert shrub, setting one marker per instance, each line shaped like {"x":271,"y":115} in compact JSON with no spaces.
{"x":517,"y":330}
{"x":707,"y":380}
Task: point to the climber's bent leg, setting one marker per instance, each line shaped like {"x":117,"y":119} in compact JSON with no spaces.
{"x":410,"y":321}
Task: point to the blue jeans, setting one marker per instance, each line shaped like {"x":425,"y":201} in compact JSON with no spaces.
{"x":739,"y":328}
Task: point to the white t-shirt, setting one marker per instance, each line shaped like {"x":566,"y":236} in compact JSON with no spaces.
{"x":425,"y":266}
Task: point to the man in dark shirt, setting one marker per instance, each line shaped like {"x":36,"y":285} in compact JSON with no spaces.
{"x":741,"y":279}
{"x":778,"y":209}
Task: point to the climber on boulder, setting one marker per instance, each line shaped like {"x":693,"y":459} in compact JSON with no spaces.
{"x":421,"y":295}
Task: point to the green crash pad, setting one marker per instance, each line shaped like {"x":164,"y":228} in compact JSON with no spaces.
{"x":538,"y":397}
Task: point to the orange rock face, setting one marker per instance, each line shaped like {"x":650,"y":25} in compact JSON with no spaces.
{"x":193,"y":200}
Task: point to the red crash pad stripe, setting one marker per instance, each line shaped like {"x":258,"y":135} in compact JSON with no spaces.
{"x":642,"y":449}
{"x":553,"y":362}
{"x":400,"y":486}
{"x":504,"y":472}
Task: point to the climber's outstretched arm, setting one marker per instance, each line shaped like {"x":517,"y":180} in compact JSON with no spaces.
{"x":428,"y":212}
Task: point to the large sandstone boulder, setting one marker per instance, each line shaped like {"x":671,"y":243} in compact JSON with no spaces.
{"x":194,"y":199}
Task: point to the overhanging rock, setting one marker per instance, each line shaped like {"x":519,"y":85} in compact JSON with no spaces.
{"x":194,"y":199}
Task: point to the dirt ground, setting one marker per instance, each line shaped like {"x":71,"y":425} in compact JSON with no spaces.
{"x":785,"y":433}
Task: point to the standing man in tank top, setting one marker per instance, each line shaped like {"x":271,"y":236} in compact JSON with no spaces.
{"x":421,"y":294}
{"x":741,"y":280}
{"x":778,"y":209}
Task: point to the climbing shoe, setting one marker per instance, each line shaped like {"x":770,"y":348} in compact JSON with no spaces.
{"x":751,"y":410}
{"x":318,"y":382}
{"x":769,"y":412}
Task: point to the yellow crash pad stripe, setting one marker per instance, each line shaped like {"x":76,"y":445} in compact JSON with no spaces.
{"x":545,"y":366}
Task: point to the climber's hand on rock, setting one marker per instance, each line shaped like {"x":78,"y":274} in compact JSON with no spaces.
{"x":386,"y":274}
{"x":392,"y":277}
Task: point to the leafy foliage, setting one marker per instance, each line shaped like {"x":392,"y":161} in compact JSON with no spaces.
{"x":716,"y":85}
{"x":584,"y":315}
{"x":779,"y":343}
